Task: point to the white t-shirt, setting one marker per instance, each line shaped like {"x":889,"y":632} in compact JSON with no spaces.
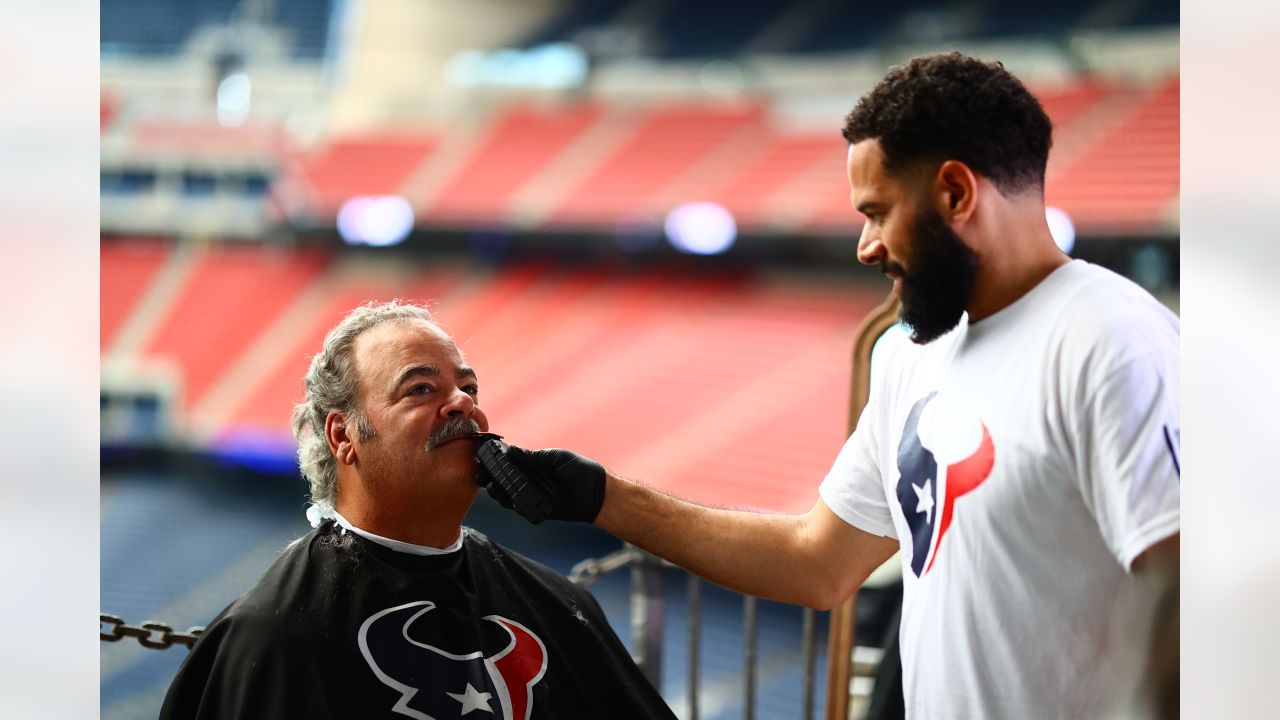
{"x":1023,"y":462}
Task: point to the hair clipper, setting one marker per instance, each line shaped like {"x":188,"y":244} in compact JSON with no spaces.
{"x":530,"y":494}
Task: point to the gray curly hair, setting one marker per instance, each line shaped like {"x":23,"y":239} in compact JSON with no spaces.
{"x":332,"y":384}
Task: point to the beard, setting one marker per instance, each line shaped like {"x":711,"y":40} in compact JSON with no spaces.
{"x":940,"y":283}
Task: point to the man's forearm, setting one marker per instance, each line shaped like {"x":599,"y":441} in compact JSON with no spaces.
{"x":771,"y":556}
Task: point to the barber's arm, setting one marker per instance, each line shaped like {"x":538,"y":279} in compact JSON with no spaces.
{"x":814,"y":559}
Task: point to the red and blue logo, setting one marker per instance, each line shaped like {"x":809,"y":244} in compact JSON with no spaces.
{"x":920,"y":485}
{"x":435,"y":685}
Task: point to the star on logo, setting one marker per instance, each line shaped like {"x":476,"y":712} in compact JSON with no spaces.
{"x":472,"y":699}
{"x":924,"y":499}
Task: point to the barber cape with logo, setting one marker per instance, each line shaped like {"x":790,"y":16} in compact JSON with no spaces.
{"x":435,"y":684}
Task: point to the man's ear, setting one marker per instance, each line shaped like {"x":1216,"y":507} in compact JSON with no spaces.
{"x":338,"y":435}
{"x":955,"y":191}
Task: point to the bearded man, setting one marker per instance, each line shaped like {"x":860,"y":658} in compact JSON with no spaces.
{"x":1020,"y":450}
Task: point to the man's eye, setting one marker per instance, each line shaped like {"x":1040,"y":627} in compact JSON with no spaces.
{"x":419,"y":389}
{"x":472,"y":390}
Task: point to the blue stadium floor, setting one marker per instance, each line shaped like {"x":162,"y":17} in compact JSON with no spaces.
{"x":178,"y":545}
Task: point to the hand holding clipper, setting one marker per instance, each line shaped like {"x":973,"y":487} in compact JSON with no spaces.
{"x":541,"y":484}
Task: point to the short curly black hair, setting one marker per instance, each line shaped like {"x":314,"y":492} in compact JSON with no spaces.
{"x":954,"y":107}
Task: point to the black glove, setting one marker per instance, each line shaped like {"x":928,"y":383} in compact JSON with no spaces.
{"x":541,"y":484}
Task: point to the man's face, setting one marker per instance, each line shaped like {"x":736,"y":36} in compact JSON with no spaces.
{"x":418,"y":395}
{"x":933,"y":271}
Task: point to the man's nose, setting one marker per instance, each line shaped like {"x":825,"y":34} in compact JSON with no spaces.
{"x":870,"y":250}
{"x":459,"y":404}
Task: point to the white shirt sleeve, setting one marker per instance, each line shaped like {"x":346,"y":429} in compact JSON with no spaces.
{"x":1128,"y":454}
{"x":853,"y":488}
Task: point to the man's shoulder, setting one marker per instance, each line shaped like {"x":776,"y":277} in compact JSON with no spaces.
{"x":1100,"y":288}
{"x":479,"y":543}
{"x":278,"y":586}
{"x":1111,"y":319}
{"x":520,"y":567}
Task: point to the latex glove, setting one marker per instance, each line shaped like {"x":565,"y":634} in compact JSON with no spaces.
{"x":541,"y":484}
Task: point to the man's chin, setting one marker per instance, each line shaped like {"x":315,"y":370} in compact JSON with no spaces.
{"x":925,"y":330}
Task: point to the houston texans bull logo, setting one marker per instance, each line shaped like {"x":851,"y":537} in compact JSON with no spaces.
{"x":436,"y":685}
{"x":919,"y":485}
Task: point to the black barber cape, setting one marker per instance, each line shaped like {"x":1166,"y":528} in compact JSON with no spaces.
{"x":341,"y":627}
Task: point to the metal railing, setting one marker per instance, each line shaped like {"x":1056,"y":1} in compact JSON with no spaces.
{"x":648,"y":622}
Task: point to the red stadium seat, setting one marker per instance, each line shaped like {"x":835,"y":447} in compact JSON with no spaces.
{"x":667,"y":143}
{"x":368,"y":165}
{"x":522,"y":141}
{"x":231,"y":296}
{"x":1129,"y":177}
{"x":127,"y":268}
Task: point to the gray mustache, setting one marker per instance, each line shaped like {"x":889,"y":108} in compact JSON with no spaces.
{"x":452,"y":429}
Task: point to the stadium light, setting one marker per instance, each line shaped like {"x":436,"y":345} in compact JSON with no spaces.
{"x":701,"y":228}
{"x":1062,"y":228}
{"x":234,"y":98}
{"x":554,"y":65}
{"x":375,"y":220}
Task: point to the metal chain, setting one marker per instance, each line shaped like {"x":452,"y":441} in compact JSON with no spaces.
{"x":146,"y":633}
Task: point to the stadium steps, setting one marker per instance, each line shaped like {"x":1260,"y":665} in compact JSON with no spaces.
{"x":230,"y":296}
{"x":667,"y":142}
{"x":155,"y":304}
{"x":128,"y":268}
{"x":695,"y":182}
{"x":522,"y":141}
{"x":817,"y":200}
{"x":551,"y":186}
{"x":584,"y":314}
{"x":739,"y":457}
{"x":1129,"y":176}
{"x":587,"y":166}
{"x":514,"y":346}
{"x":602,"y":388}
{"x":710,"y":373}
{"x":374,"y":164}
{"x":788,"y":393}
{"x":424,"y":185}
{"x":247,"y":372}
{"x":773,"y":187}
{"x":1080,"y":118}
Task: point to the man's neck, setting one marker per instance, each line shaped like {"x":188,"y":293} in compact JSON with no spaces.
{"x":397,"y":545}
{"x":1017,"y":259}
{"x":433,"y":522}
{"x":997,"y":289}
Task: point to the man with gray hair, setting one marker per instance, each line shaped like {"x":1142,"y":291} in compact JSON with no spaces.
{"x":390,"y":606}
